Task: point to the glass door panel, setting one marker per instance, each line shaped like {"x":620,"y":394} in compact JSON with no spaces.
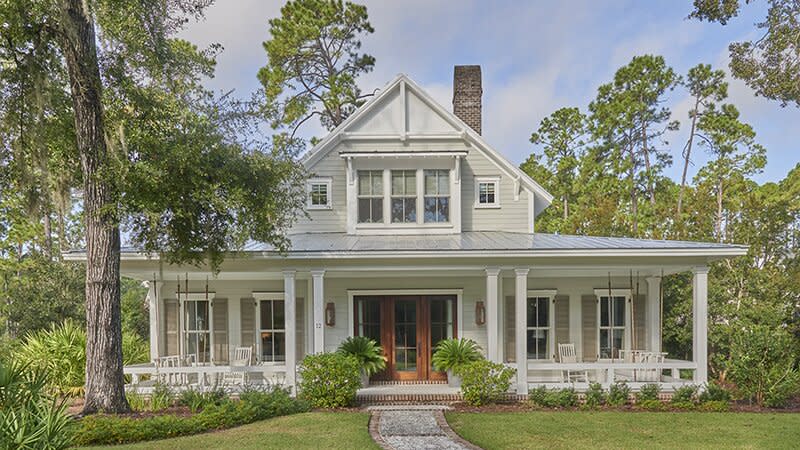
{"x":405,"y":335}
{"x":441,"y":322}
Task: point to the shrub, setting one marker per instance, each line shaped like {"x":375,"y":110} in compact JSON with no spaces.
{"x":454,"y":354}
{"x":714,"y":392}
{"x":484,"y":381}
{"x":161,"y":398}
{"x":252,"y":406}
{"x":685,"y":394}
{"x":650,"y":404}
{"x":197,"y":401}
{"x":648,"y":392}
{"x":61,"y":353}
{"x":595,"y":396}
{"x":329,"y":380}
{"x":762,"y":364}
{"x":618,"y":393}
{"x":538,"y":396}
{"x":368,"y":353}
{"x":563,"y":398}
{"x":714,"y":406}
{"x":29,"y":416}
{"x":136,"y":400}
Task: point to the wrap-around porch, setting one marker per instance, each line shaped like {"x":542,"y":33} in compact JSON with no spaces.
{"x":610,"y":315}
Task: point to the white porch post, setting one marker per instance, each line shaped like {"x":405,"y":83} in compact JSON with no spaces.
{"x":290,"y":324}
{"x":654,"y":313}
{"x":700,"y":323}
{"x":520,"y":330}
{"x":154,"y":288}
{"x":491,"y":314}
{"x":319,"y":310}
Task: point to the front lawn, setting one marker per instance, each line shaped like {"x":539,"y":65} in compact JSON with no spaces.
{"x":334,"y":430}
{"x":610,"y":429}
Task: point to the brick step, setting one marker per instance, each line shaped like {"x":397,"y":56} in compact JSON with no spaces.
{"x":421,"y":399}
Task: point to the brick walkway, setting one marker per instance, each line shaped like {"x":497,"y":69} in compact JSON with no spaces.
{"x":413,"y":427}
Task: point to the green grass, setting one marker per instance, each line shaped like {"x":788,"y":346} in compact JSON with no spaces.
{"x":334,"y":430}
{"x":607,"y":429}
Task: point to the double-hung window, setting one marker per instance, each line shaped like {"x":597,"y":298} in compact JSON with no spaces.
{"x":538,"y":327}
{"x":437,"y":196}
{"x":404,"y":196}
{"x":272,"y":331}
{"x":197,"y":332}
{"x":612,"y":327}
{"x":370,"y":196}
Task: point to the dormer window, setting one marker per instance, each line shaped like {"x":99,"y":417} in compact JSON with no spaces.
{"x":370,"y":196}
{"x":437,"y":196}
{"x":404,"y":196}
{"x":487,"y":193}
{"x":319,"y":193}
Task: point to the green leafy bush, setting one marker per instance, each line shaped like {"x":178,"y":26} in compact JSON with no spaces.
{"x":714,"y":406}
{"x":595,"y":396}
{"x":136,"y":401}
{"x":454,"y":354}
{"x":161,"y":398}
{"x":648,"y":392}
{"x":30,"y":418}
{"x":196,"y":400}
{"x":61,"y":353}
{"x":763,"y":364}
{"x":685,"y":394}
{"x":329,"y":380}
{"x":368,"y":353}
{"x":714,"y":392}
{"x":618,"y":394}
{"x":252,"y":406}
{"x":485,"y":382}
{"x":650,"y":404}
{"x":563,"y":398}
{"x":538,"y":396}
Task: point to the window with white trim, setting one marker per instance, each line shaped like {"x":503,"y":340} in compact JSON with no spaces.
{"x":370,"y":196}
{"x":319,"y":193}
{"x":437,"y":196}
{"x":487,"y":193}
{"x":538,"y":327}
{"x":197,"y":329}
{"x":612,"y":328}
{"x":271,"y":331}
{"x":404,"y":196}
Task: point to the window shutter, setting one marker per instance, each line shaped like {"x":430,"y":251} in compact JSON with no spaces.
{"x":247,"y":321}
{"x":221,"y":349}
{"x":589,"y":322}
{"x":170,"y":327}
{"x":561,"y":319}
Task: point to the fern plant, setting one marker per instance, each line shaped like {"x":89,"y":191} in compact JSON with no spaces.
{"x":452,"y":354}
{"x":368,"y":353}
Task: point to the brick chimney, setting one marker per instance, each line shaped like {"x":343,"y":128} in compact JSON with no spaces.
{"x":467,"y":93}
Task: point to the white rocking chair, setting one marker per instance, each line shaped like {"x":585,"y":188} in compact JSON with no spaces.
{"x":241,"y":358}
{"x":567,"y":354}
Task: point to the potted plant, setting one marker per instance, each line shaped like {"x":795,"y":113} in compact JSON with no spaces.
{"x":452,"y":354}
{"x":368,"y":353}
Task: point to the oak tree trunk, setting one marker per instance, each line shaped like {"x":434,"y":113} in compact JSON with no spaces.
{"x":104,"y":379}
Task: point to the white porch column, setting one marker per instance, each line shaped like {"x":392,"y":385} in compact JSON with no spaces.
{"x":491,"y":314}
{"x":290,"y":324}
{"x":700,"y":323}
{"x":319,"y":310}
{"x":653,"y":324}
{"x":153,"y":291}
{"x":520,"y":330}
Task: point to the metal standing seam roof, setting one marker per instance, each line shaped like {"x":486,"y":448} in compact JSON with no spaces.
{"x":477,"y":241}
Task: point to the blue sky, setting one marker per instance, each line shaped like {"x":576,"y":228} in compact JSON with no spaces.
{"x":536,"y":57}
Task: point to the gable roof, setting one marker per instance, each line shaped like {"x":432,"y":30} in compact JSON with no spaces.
{"x":403,"y":83}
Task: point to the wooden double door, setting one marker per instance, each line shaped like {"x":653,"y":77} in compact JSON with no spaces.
{"x":408,"y":327}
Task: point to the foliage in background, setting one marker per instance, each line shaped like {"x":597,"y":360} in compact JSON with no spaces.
{"x":368,"y":353}
{"x":313,"y":63}
{"x":254,"y":405}
{"x":485,"y":382}
{"x":455,"y":354}
{"x":134,"y":308}
{"x":60,"y":351}
{"x":30,"y":416}
{"x":329,"y":380}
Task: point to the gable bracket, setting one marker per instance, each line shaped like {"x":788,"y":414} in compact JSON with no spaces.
{"x":517,"y":188}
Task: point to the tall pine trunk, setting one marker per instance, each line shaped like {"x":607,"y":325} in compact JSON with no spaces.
{"x":104,"y":379}
{"x":686,"y":160}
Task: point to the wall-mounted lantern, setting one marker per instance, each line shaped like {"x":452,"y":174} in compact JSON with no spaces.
{"x":330,"y":314}
{"x":480,"y":313}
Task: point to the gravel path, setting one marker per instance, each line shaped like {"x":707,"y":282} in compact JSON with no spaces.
{"x":414,"y":427}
